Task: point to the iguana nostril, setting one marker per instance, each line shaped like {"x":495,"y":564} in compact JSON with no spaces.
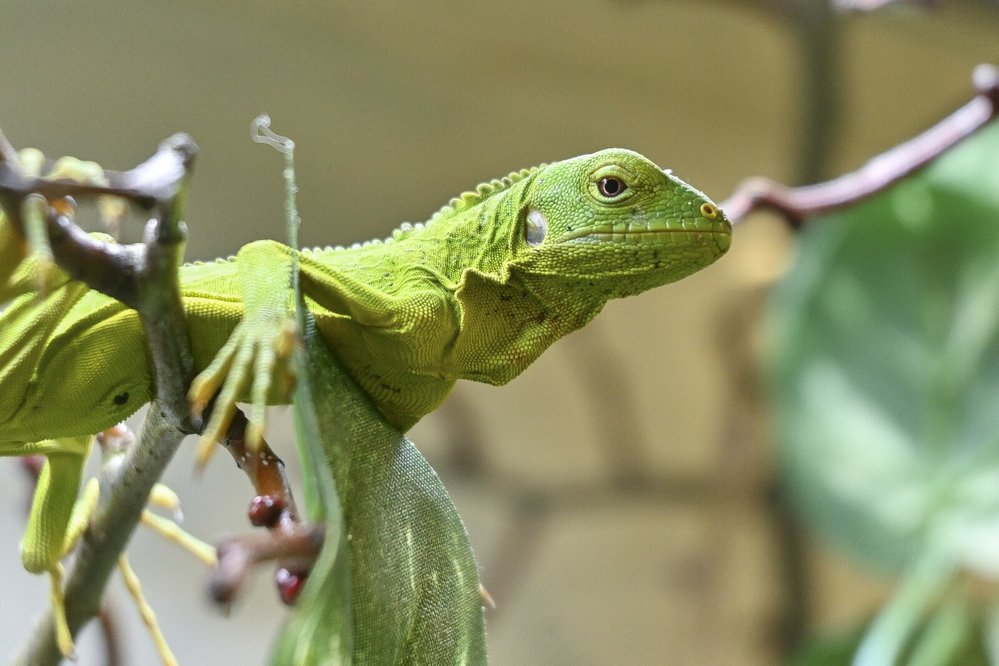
{"x":710,"y":211}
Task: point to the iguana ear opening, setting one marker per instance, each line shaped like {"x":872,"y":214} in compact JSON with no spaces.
{"x":535,"y":228}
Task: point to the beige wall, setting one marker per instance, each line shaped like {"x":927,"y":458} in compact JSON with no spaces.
{"x":397,"y":106}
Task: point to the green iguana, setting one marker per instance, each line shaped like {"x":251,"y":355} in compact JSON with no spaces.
{"x":477,"y":292}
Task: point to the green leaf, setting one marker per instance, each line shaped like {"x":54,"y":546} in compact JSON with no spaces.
{"x":321,"y":629}
{"x":884,"y":368}
{"x":414,"y":584}
{"x":396,"y":581}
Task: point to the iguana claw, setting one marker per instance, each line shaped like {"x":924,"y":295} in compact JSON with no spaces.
{"x":246,"y":365}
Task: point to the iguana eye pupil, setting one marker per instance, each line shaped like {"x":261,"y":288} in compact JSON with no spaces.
{"x":611,"y":186}
{"x":120,"y":399}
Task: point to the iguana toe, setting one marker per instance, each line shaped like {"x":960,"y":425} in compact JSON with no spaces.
{"x":248,"y":366}
{"x":64,"y":638}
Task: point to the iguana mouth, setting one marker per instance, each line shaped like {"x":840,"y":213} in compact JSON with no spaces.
{"x":630,"y":233}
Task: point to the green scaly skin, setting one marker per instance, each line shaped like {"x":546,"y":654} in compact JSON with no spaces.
{"x":477,"y":292}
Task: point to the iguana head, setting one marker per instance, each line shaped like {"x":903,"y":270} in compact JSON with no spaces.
{"x":616,"y":223}
{"x":570,"y":236}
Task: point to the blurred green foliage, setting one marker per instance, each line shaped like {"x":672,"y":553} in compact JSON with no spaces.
{"x":967,"y":649}
{"x":884,"y":374}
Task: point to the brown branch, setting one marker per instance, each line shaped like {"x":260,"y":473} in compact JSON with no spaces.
{"x":140,"y":276}
{"x":294,"y":544}
{"x":155,"y":181}
{"x":274,"y":506}
{"x":296,"y":548}
{"x":111,"y":630}
{"x":109,"y":268}
{"x":876,"y":5}
{"x":161,"y":184}
{"x":800,"y":203}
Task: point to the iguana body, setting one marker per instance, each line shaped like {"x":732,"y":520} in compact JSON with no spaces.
{"x":478,"y":292}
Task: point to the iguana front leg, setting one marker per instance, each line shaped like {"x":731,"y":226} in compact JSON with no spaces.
{"x":54,"y":519}
{"x":254,"y":360}
{"x":256,"y":353}
{"x":58,"y":520}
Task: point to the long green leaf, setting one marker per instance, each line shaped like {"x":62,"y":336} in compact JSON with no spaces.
{"x":414,"y":585}
{"x":396,"y":582}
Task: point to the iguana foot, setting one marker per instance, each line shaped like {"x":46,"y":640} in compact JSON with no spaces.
{"x":56,"y":520}
{"x":84,"y":507}
{"x":35,"y":211}
{"x":254,"y":356}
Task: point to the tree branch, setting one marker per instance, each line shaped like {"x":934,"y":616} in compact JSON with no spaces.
{"x":800,"y":203}
{"x":290,"y":541}
{"x":150,"y":274}
{"x":112,"y":269}
{"x":144,"y":276}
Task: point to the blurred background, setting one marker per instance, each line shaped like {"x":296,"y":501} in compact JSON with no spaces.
{"x":619,"y":494}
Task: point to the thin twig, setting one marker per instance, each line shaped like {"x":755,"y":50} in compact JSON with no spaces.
{"x":265,"y":470}
{"x":156,"y":181}
{"x":296,"y":548}
{"x":7,"y":152}
{"x":290,"y":541}
{"x":800,"y":203}
{"x":111,"y":630}
{"x":876,"y":5}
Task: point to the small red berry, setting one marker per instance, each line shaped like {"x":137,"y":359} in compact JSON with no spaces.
{"x":265,"y":510}
{"x":289,"y":584}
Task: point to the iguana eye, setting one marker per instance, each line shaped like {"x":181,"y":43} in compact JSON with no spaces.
{"x":120,"y":399}
{"x":611,"y":186}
